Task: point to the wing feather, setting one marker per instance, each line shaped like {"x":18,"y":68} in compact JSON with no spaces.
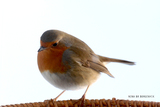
{"x":88,"y":59}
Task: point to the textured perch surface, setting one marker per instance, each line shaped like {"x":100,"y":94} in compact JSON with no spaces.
{"x":89,"y":103}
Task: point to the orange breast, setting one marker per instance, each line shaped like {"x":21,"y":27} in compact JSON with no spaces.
{"x":51,"y":59}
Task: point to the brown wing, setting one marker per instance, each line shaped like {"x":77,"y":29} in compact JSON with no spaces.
{"x":87,"y":58}
{"x":97,"y":67}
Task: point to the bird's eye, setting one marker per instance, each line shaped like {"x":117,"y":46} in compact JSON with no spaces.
{"x":55,"y":44}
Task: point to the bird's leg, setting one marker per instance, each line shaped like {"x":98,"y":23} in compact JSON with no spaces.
{"x":84,"y":95}
{"x":59,"y":95}
{"x":82,"y":99}
{"x":52,"y":100}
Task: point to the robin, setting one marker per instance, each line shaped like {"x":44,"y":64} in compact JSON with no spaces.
{"x":68,"y":63}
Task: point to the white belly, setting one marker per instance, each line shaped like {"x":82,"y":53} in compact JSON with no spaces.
{"x":65,"y":81}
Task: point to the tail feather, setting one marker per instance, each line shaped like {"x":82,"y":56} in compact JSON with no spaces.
{"x":106,"y":59}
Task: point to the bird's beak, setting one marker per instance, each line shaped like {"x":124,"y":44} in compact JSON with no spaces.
{"x":41,"y":48}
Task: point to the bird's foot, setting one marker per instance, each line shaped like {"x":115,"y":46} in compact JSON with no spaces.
{"x":81,"y":101}
{"x":50,"y":102}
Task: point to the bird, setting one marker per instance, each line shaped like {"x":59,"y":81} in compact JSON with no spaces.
{"x":68,"y":63}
